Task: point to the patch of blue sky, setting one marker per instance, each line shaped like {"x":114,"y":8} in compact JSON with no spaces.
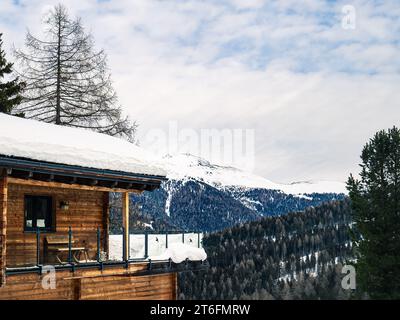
{"x":235,"y":46}
{"x":328,"y":19}
{"x":195,"y":37}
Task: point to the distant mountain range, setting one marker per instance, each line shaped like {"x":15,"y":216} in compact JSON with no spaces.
{"x":205,"y":197}
{"x":186,"y":166}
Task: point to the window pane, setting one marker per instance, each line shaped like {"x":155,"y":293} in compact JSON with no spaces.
{"x":38,"y":212}
{"x":41,"y":210}
{"x":28,"y":212}
{"x":41,"y":223}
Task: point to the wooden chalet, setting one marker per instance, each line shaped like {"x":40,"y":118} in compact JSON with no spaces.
{"x":54,"y":210}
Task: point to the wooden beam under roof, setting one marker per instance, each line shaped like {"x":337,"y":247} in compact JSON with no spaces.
{"x":114,"y":184}
{"x":63,"y":170}
{"x":54,"y":184}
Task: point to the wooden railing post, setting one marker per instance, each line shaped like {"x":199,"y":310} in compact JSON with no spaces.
{"x":37,"y":246}
{"x":125,"y":221}
{"x":3,"y":225}
{"x":98,"y":245}
{"x":146,"y":244}
{"x":106,"y":223}
{"x":123,"y":243}
{"x":69,"y":245}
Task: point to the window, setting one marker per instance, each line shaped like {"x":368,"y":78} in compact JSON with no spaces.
{"x":38,"y":213}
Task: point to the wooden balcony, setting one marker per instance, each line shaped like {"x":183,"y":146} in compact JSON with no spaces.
{"x":24,"y":260}
{"x":112,"y":282}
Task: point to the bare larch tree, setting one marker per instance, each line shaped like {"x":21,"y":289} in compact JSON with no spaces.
{"x":67,"y":81}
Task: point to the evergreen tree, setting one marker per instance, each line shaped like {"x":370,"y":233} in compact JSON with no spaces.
{"x":376,"y":210}
{"x":257,"y":271}
{"x":9,"y":90}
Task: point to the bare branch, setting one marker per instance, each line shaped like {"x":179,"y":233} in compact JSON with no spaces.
{"x":68,"y":82}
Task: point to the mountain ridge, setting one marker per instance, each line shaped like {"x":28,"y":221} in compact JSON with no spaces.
{"x":183,"y":166}
{"x":201,"y":196}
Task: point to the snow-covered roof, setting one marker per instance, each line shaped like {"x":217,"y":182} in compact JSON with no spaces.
{"x":34,"y":140}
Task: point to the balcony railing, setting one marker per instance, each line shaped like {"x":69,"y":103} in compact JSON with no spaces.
{"x":151,"y":244}
{"x":88,"y":250}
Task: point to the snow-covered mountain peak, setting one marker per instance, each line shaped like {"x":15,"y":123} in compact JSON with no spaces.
{"x":187,"y":166}
{"x":189,"y":160}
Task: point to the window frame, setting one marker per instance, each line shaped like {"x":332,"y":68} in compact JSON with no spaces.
{"x":50,"y":214}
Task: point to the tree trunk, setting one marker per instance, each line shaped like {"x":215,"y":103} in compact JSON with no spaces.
{"x":58,"y":93}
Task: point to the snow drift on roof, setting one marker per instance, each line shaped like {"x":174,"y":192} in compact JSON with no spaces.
{"x":41,"y":141}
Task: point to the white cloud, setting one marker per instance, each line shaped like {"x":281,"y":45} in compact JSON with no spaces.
{"x":313,"y":91}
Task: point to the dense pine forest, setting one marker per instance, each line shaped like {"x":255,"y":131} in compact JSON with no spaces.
{"x":294,"y":256}
{"x":195,"y":205}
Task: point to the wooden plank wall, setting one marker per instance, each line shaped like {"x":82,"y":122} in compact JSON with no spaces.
{"x":87,"y":210}
{"x":85,"y":214}
{"x":106,"y":222}
{"x":3,"y":227}
{"x":110,"y":284}
{"x":152,"y":287}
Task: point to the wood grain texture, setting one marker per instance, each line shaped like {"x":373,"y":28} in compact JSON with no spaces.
{"x":53,"y":184}
{"x":110,"y":284}
{"x":88,"y":210}
{"x":3,"y":226}
{"x":106,"y":222}
{"x":84,"y":216}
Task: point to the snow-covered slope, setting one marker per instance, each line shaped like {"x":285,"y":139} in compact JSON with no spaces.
{"x":206,"y":197}
{"x":186,"y":166}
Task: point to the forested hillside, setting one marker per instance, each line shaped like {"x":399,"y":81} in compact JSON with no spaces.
{"x":293,"y":256}
{"x":195,"y":205}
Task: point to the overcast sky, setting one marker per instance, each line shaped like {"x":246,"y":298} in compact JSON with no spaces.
{"x":313,"y":91}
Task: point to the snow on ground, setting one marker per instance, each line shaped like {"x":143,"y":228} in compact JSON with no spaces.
{"x":312,"y":272}
{"x":169,"y":190}
{"x":65,"y":145}
{"x":148,"y":225}
{"x":250,"y":203}
{"x":188,"y":166}
{"x":156,"y":244}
